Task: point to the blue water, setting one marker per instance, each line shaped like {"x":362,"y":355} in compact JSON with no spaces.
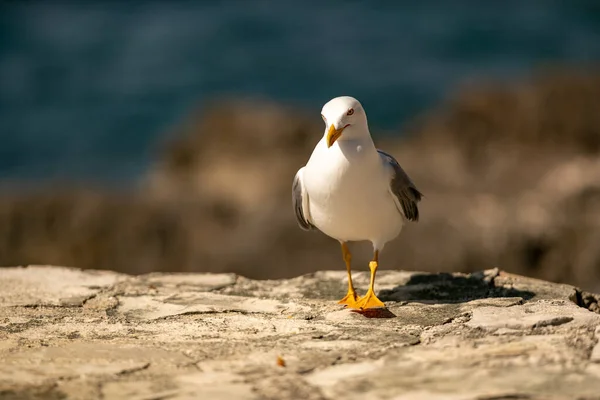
{"x":89,"y":89}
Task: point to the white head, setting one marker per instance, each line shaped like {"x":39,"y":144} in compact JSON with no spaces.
{"x":344,"y":114}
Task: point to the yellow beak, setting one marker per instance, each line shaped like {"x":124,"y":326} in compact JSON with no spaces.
{"x":333,"y":135}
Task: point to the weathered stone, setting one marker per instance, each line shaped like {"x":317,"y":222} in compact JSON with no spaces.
{"x":486,"y":335}
{"x":595,"y":356}
{"x":189,"y":386}
{"x":148,"y":307}
{"x":33,"y":285}
{"x":197,"y":282}
{"x":529,"y":316}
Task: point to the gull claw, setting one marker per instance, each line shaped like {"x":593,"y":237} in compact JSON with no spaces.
{"x":351,"y":300}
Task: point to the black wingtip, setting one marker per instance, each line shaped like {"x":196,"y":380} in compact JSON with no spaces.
{"x":410,"y":206}
{"x":417,"y":195}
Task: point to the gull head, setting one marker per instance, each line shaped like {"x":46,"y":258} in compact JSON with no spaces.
{"x":345,"y":119}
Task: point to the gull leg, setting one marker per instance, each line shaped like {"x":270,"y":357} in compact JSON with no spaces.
{"x":350,"y":298}
{"x":370,"y":300}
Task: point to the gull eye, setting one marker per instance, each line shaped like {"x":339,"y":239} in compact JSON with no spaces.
{"x":350,"y":111}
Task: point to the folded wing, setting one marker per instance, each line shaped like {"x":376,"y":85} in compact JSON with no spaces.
{"x":300,"y":202}
{"x":406,"y":195}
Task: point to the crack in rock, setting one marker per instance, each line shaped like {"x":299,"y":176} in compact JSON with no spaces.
{"x":128,"y":371}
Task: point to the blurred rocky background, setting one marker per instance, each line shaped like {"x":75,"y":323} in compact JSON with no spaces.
{"x":165,"y":136}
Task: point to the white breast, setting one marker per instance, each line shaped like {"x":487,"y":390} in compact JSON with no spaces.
{"x":348,"y":192}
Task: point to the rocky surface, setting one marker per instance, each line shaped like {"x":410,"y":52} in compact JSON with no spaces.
{"x":68,"y":333}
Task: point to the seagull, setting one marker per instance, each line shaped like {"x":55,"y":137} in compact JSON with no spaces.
{"x":351,"y":191}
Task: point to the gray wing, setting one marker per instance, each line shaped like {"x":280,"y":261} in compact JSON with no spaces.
{"x":300,"y":202}
{"x":404,"y":190}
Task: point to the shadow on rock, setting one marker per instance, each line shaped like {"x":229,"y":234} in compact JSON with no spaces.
{"x":448,"y":288}
{"x":376,"y":313}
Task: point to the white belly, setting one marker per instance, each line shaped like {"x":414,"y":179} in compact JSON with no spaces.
{"x":349,"y":197}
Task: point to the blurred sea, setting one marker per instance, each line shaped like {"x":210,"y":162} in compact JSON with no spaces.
{"x":88,"y":90}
